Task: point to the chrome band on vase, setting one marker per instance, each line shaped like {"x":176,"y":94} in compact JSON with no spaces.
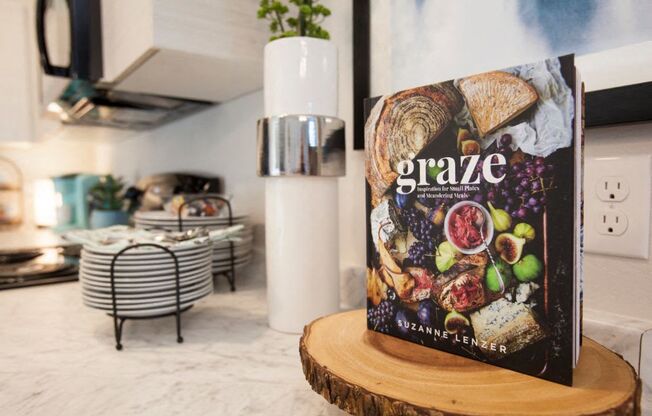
{"x":301,"y":145}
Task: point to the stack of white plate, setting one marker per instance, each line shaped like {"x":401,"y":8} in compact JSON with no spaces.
{"x":145,"y":278}
{"x":242,"y":241}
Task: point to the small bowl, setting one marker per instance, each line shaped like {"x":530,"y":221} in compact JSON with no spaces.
{"x":490,"y":227}
{"x":197,"y":199}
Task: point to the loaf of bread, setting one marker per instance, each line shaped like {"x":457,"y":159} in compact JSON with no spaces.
{"x":495,"y":98}
{"x":401,"y":125}
{"x":460,"y":288}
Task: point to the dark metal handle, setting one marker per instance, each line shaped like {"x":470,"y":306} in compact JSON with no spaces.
{"x":117,"y":320}
{"x":231,"y":275}
{"x":201,"y":198}
{"x":48,"y":68}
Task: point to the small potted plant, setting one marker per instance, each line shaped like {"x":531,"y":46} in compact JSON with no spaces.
{"x":306,"y":22}
{"x":107,"y":203}
{"x":300,"y":61}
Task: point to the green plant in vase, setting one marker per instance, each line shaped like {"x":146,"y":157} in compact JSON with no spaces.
{"x":309,"y":14}
{"x":107,"y":200}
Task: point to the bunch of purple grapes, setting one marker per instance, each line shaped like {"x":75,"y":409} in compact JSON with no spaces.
{"x":420,"y":256}
{"x":381,"y":317}
{"x":534,"y":179}
{"x":523,"y":191}
{"x":420,"y":253}
{"x":421,"y":228}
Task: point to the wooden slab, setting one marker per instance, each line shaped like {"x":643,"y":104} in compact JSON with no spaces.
{"x":368,"y":373}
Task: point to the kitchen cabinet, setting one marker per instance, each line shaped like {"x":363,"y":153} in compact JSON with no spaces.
{"x":17,"y":74}
{"x":23,"y":87}
{"x":196,"y":49}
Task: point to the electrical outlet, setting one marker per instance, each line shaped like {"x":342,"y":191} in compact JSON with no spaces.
{"x":612,"y":222}
{"x":617,"y":205}
{"x":612,"y":189}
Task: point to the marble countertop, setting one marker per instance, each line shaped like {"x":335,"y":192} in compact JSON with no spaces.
{"x":59,"y":358}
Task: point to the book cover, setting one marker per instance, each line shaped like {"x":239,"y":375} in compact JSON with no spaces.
{"x":472,"y":212}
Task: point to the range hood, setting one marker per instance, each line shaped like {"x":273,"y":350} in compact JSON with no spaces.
{"x":84,"y":103}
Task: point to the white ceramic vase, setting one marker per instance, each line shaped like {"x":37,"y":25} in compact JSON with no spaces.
{"x":300,"y":77}
{"x":302,"y":248}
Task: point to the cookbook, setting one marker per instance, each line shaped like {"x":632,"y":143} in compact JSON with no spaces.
{"x":474,"y":216}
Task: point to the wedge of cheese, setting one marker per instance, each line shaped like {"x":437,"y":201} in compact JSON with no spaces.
{"x":511,"y":325}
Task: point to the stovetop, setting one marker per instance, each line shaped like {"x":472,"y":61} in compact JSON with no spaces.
{"x":36,"y":267}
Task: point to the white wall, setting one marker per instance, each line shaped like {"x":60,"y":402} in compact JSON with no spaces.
{"x":218,"y":141}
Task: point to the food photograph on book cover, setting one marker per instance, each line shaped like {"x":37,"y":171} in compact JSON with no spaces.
{"x":471,"y":216}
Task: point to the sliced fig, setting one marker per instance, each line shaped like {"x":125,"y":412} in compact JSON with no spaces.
{"x":463,"y":135}
{"x":525,"y":230}
{"x":510,"y":247}
{"x":455,"y":322}
{"x":517,"y":157}
{"x":470,"y":147}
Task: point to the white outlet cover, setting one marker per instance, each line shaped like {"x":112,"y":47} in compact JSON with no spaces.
{"x":612,"y":189}
{"x":612,"y":222}
{"x":635,"y":172}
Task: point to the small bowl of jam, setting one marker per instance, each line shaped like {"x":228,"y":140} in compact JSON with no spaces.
{"x":468,"y":227}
